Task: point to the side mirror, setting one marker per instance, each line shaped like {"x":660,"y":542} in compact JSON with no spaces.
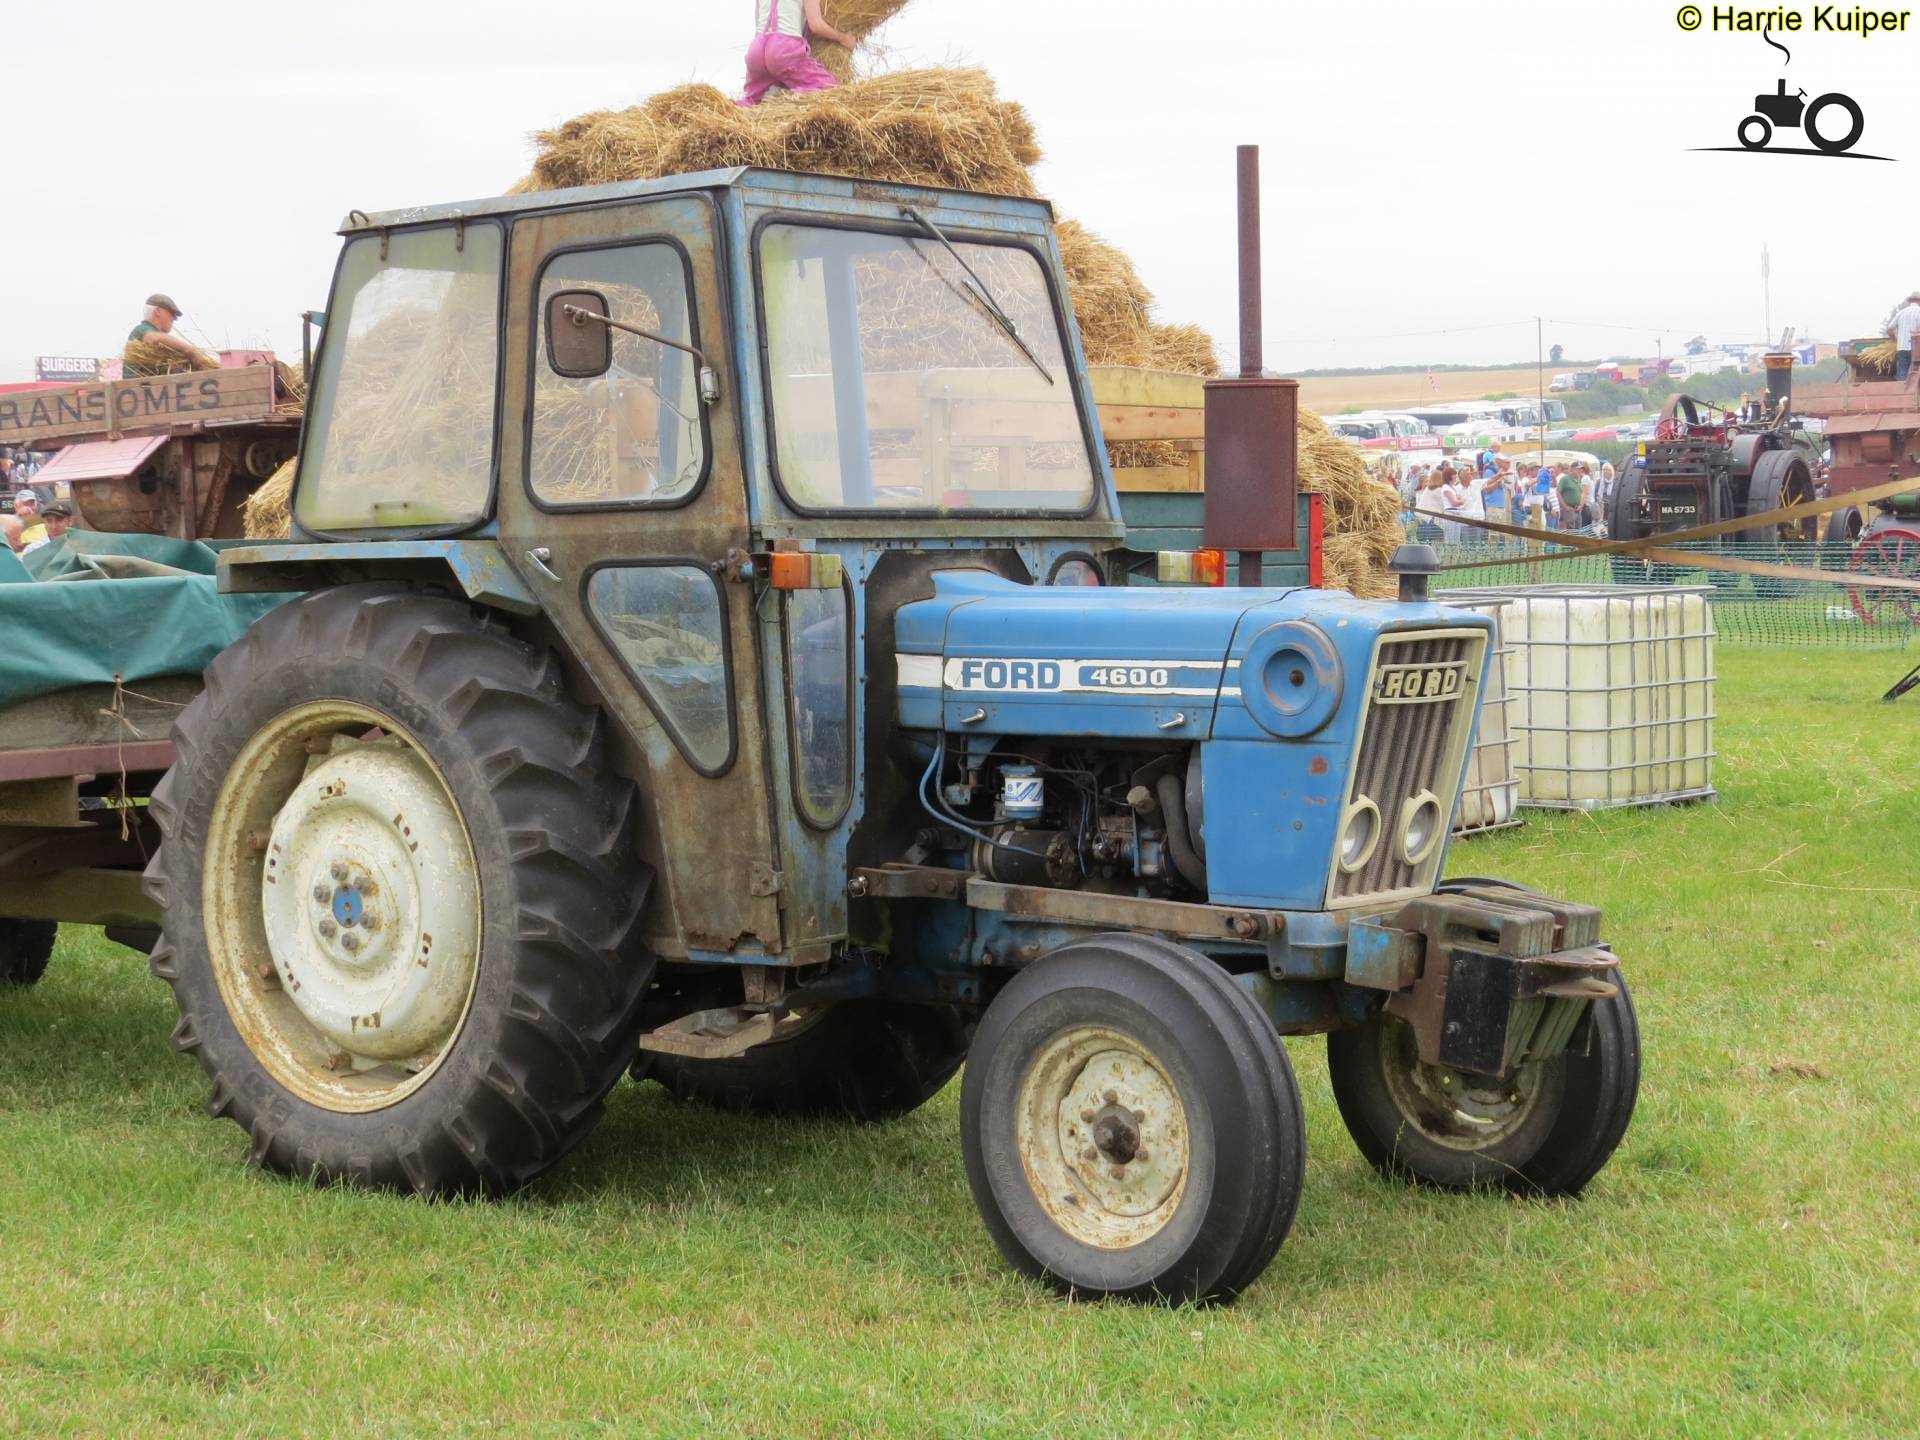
{"x":579,"y":342}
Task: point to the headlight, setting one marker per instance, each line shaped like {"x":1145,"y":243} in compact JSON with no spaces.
{"x":1421,"y":825}
{"x":1359,"y":833}
{"x":1291,"y":679}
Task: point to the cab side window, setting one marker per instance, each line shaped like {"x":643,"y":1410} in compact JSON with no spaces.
{"x":667,"y":623}
{"x":636,"y":435}
{"x":820,"y":662}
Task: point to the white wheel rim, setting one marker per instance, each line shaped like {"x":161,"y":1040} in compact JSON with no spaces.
{"x":342,"y":906}
{"x":1103,"y":1138}
{"x":1457,"y":1109}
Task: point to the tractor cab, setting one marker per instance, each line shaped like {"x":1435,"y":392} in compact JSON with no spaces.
{"x":714,"y":430}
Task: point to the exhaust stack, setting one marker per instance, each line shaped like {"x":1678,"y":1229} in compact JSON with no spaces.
{"x":1252,"y":496}
{"x":1779,"y":365}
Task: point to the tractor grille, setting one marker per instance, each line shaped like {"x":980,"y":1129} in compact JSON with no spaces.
{"x":1413,"y":738}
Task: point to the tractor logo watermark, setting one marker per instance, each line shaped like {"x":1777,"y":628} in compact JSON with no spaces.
{"x":1830,"y":124}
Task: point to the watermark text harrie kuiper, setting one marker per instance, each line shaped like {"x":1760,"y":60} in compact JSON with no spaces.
{"x":1820,"y":20}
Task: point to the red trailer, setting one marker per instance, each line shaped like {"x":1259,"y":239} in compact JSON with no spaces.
{"x":166,"y":454}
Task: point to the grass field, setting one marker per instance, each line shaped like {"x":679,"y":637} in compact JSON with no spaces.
{"x":1747,"y":1265}
{"x":1330,"y":394}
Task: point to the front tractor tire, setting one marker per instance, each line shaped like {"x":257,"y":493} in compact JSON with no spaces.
{"x":1546,"y":1131}
{"x":399,"y":899}
{"x":1131,"y":1124}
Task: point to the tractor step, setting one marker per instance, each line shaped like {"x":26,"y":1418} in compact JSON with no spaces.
{"x":711,"y":1034}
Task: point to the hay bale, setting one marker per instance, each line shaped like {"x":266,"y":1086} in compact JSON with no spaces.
{"x":859,"y":18}
{"x":1362,"y":516}
{"x":945,"y":128}
{"x":268,"y":512}
{"x":1109,"y":299}
{"x":1185,"y":348}
{"x":143,"y":357}
{"x":292,"y":382}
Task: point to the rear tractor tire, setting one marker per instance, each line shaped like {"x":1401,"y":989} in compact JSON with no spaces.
{"x":865,"y":1060}
{"x":399,"y":898}
{"x":1131,"y":1124}
{"x":25,"y":948}
{"x":1546,"y":1131}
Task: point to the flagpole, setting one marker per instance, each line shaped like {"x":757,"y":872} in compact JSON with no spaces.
{"x":1766,"y":280}
{"x":1540,"y":377}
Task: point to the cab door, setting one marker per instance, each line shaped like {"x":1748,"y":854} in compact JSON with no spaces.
{"x":621,"y":497}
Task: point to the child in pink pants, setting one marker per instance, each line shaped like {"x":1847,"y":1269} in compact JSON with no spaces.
{"x":779,"y":54}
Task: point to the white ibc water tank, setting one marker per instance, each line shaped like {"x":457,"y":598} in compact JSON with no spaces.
{"x":1613,"y":692}
{"x":1490,"y":791}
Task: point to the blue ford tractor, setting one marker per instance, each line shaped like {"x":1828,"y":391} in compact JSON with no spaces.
{"x":715,"y":658}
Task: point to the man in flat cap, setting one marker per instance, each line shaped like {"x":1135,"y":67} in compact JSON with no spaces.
{"x":58,"y":520}
{"x":157,"y":329}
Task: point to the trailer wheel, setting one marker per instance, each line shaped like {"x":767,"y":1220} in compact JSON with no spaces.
{"x":399,"y":899}
{"x":1131,"y":1124}
{"x":25,"y":948}
{"x":1894,"y":553}
{"x":866,"y":1060}
{"x":1546,"y":1131}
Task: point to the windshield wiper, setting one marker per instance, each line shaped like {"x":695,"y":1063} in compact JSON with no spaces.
{"x":980,"y":292}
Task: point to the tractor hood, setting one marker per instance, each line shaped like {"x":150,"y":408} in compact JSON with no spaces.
{"x":991,"y":656}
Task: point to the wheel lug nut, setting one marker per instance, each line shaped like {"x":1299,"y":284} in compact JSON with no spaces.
{"x":326,"y":929}
{"x":1090,"y":1154}
{"x":1139,"y":1117}
{"x":321,"y":894}
{"x":1119,"y":1172}
{"x":1514,"y":1098}
{"x":339,"y":873}
{"x":1086,"y":1117}
{"x":1112,"y":1097}
{"x":349,"y":943}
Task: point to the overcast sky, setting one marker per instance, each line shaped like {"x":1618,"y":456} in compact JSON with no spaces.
{"x":1436,"y":175}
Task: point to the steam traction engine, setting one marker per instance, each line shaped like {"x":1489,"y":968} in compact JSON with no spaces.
{"x":1706,"y":464}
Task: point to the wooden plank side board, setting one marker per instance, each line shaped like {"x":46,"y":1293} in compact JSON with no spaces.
{"x":1151,"y":422}
{"x":116,"y":407}
{"x":1158,"y":389}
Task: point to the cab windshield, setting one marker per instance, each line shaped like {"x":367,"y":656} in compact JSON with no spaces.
{"x":895,"y":386}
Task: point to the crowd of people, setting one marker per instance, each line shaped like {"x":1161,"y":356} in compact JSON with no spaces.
{"x":1446,"y":498}
{"x":33,"y":522}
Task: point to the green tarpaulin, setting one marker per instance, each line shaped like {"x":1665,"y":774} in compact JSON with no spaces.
{"x":86,"y":608}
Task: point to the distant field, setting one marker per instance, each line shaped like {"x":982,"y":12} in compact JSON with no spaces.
{"x":1386,"y":392}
